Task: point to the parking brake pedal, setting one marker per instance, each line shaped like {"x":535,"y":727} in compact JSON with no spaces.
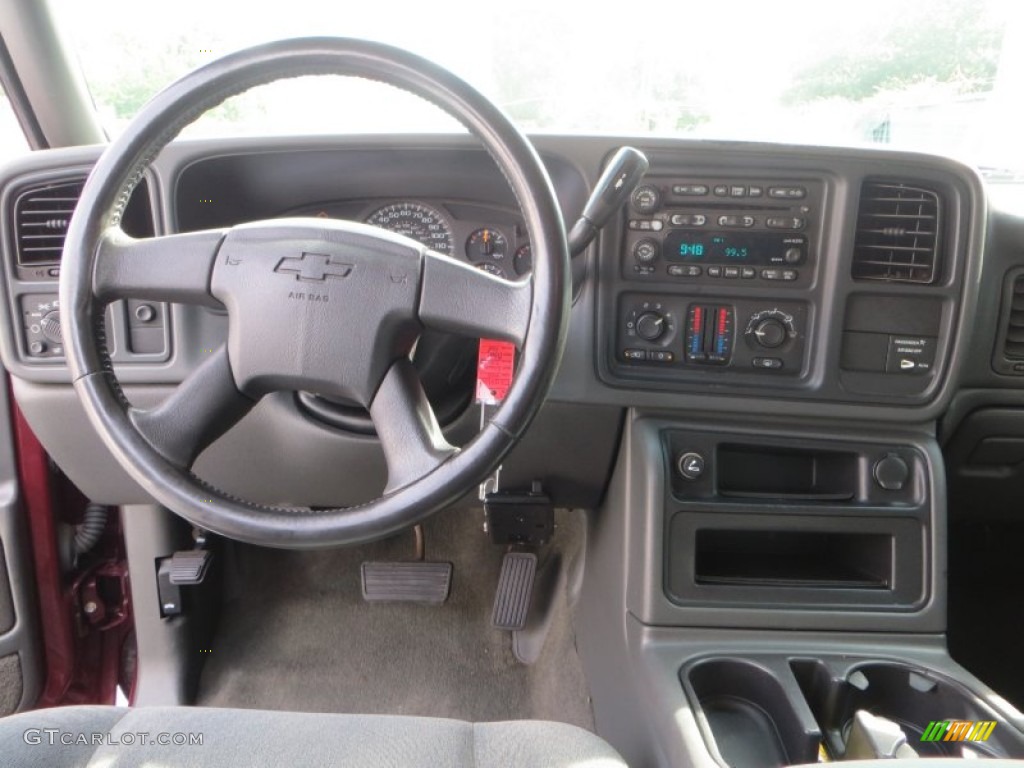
{"x":515,"y":590}
{"x":182,"y":569}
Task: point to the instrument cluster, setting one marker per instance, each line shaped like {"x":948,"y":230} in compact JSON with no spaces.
{"x":493,"y":240}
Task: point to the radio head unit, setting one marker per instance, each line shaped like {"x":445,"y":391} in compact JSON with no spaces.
{"x":706,"y":230}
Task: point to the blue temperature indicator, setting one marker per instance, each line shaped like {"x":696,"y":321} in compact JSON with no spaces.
{"x":691,"y":249}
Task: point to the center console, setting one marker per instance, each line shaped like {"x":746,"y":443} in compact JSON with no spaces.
{"x":771,"y":553}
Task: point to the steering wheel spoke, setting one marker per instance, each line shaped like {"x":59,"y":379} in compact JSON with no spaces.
{"x":170,"y":268}
{"x":407,"y":426}
{"x":203,"y":407}
{"x":458,"y":298}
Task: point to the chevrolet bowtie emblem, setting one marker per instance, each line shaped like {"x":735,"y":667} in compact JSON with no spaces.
{"x":314,"y":268}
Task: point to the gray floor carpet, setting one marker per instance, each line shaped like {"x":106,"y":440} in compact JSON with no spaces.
{"x":298,"y":636}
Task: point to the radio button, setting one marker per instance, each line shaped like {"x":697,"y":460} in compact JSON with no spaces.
{"x":789,"y":275}
{"x":771,"y":274}
{"x":785,"y":222}
{"x":755,"y":191}
{"x":737,"y":191}
{"x":721,"y":190}
{"x":634,"y":354}
{"x":732,"y":272}
{"x":714,"y":271}
{"x":646,"y":251}
{"x":688,"y":219}
{"x":736,"y":221}
{"x":690,"y":190}
{"x":748,"y":273}
{"x":646,"y":199}
{"x":787,"y":193}
{"x":793,"y":256}
{"x":646,"y":225}
{"x":684,"y":270}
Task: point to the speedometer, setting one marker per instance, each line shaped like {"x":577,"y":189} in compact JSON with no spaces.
{"x":422,"y":223}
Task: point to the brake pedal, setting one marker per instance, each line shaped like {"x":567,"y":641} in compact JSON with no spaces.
{"x":515,"y":590}
{"x":414,"y":582}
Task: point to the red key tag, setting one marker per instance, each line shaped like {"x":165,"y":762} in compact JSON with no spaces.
{"x":495,"y":367}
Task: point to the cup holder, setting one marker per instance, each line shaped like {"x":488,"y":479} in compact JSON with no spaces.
{"x":747,"y":716}
{"x":910,"y":696}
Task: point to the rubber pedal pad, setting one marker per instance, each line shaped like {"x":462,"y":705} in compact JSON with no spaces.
{"x":515,"y":590}
{"x":412,"y":582}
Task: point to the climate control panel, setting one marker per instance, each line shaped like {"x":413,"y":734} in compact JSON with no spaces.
{"x":699,"y":332}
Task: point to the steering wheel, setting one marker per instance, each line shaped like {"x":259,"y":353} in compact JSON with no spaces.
{"x":326,"y":306}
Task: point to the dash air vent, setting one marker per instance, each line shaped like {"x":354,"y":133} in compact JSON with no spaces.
{"x":1009,"y":353}
{"x":41,"y":217}
{"x":898,"y":228}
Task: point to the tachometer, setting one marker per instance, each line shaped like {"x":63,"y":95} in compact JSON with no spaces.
{"x":422,"y":223}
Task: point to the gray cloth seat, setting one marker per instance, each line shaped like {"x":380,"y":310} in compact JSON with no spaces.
{"x":114,"y":737}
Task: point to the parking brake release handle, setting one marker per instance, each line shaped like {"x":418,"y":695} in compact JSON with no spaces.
{"x":620,"y":178}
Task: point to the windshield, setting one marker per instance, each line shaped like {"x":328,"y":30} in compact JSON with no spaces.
{"x":930,"y":75}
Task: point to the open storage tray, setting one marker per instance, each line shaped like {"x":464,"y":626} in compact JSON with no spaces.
{"x":911,"y":696}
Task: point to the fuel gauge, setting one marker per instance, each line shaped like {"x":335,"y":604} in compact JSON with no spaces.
{"x":486,"y":245}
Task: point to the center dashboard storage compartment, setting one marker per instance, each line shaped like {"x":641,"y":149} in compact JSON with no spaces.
{"x":795,"y":560}
{"x":784,"y":523}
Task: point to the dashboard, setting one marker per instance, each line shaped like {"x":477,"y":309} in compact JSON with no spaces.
{"x":809,"y":284}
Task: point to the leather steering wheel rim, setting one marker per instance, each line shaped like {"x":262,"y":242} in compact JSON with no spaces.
{"x":100,"y":264}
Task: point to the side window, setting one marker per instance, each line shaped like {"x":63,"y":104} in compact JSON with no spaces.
{"x":12,"y":138}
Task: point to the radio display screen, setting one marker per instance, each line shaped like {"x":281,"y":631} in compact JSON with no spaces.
{"x":733,"y":247}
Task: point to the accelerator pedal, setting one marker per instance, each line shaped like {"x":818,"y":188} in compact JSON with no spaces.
{"x":412,"y":582}
{"x":515,"y":590}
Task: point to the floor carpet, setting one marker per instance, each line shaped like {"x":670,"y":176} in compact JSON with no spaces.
{"x":295,"y":634}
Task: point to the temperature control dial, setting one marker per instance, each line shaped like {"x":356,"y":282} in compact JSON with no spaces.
{"x":770,"y":328}
{"x":650,"y":326}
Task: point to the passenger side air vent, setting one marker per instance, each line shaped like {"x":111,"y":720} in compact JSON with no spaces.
{"x":1009,"y":353}
{"x":41,"y":218}
{"x":898,"y":228}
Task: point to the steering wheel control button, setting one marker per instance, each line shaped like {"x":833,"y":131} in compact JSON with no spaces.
{"x":910,"y":354}
{"x":891,"y":472}
{"x":691,"y":465}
